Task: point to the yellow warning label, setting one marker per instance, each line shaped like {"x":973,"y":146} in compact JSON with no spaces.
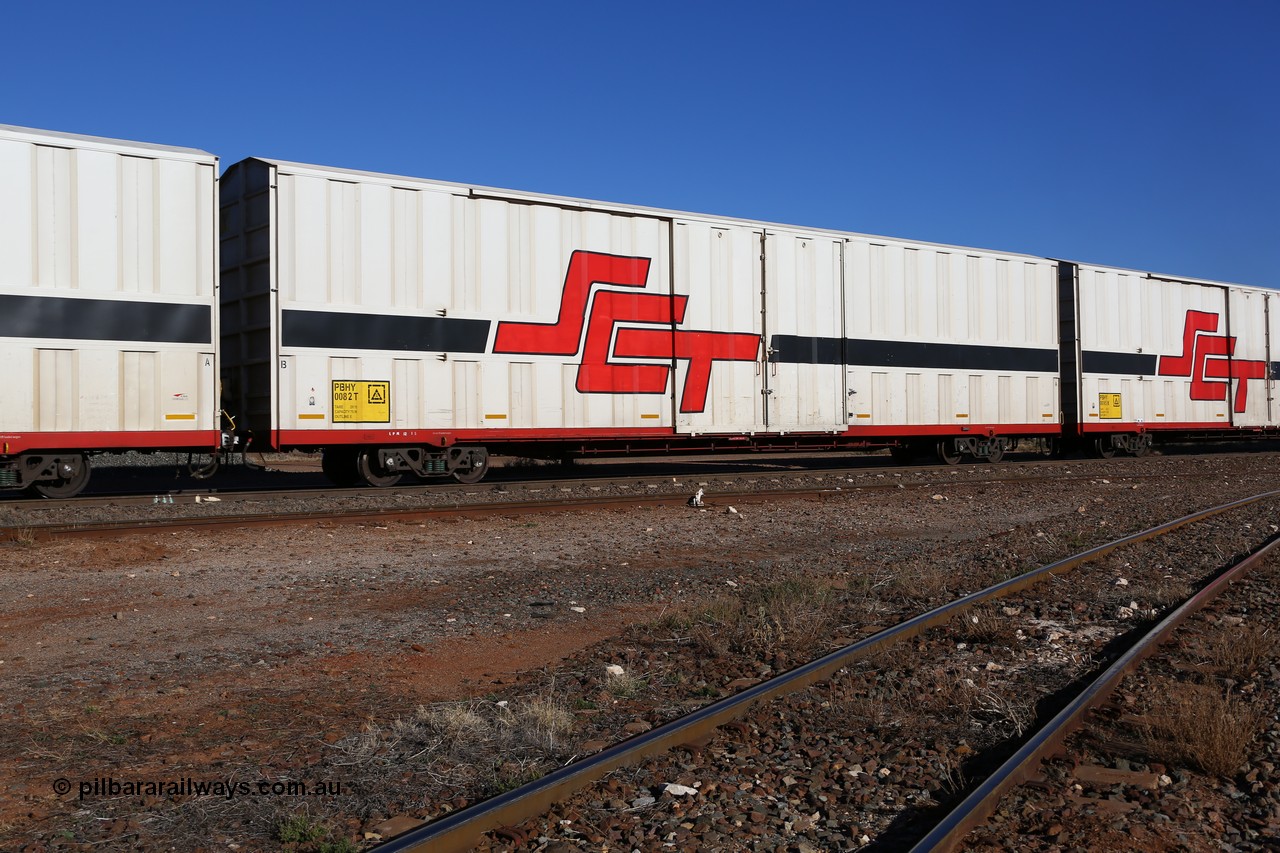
{"x":361,"y":402}
{"x":1109,"y":406}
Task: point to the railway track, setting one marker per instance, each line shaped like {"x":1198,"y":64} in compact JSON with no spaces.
{"x":208,"y":509}
{"x":159,"y":488}
{"x":514,"y":812}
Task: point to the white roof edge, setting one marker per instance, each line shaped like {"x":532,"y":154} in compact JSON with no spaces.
{"x":614,"y":207}
{"x":82,"y":140}
{"x":1184,"y":279}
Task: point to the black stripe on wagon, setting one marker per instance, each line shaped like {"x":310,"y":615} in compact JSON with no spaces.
{"x":1129,"y":363}
{"x":104,"y":320}
{"x":333,"y":330}
{"x":796,"y":349}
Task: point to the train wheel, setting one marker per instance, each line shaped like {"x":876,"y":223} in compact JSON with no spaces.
{"x":947,"y":452}
{"x":478,"y":463}
{"x":372,"y":472}
{"x":997,"y":452}
{"x":1103,"y":448}
{"x":474,"y":474}
{"x":339,"y":465}
{"x":68,"y":486}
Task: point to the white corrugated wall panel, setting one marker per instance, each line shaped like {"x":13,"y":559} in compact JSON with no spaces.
{"x":914,"y":293}
{"x":55,"y":232}
{"x":137,"y":231}
{"x":58,"y":390}
{"x":417,"y":249}
{"x":1129,"y":314}
{"x":99,"y":219}
{"x":406,"y":394}
{"x":17,"y":227}
{"x":375,"y":248}
{"x":97,"y":222}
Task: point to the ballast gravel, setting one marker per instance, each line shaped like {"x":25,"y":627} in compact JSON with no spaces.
{"x":269,"y":656}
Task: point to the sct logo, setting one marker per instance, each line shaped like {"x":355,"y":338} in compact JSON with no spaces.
{"x":651,"y":333}
{"x":1207,"y":359}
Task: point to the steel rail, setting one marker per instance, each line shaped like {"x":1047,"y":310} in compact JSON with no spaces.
{"x":655,"y":498}
{"x":364,"y":515}
{"x":685,"y":477}
{"x":458,"y":831}
{"x":984,"y":799}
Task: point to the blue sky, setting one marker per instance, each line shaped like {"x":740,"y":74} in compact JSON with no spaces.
{"x":1139,"y":133}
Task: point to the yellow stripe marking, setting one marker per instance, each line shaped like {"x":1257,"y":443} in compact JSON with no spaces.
{"x":179,"y":417}
{"x":310,"y":417}
{"x":960,"y":415}
{"x":495,"y":417}
{"x":651,"y":416}
{"x":861,"y":415}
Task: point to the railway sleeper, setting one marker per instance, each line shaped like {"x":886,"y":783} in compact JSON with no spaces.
{"x":53,"y":475}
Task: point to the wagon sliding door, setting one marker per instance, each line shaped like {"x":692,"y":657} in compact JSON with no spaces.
{"x":804,"y":332}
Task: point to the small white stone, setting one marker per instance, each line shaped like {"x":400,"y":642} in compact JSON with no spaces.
{"x":679,"y":790}
{"x":1121,"y":582}
{"x":578,"y":609}
{"x":614,"y":669}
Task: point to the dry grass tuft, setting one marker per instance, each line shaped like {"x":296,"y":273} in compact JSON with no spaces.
{"x":1242,"y":652}
{"x":625,"y":686}
{"x":986,"y":625}
{"x":921,"y":581}
{"x":1201,"y":726}
{"x":23,"y":537}
{"x":791,"y":616}
{"x":493,"y":745}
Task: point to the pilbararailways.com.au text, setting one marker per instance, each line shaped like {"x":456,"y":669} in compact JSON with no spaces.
{"x":110,"y":786}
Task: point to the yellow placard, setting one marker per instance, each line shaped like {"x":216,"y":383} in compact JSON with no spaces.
{"x":1109,"y":406}
{"x":358,"y":401}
